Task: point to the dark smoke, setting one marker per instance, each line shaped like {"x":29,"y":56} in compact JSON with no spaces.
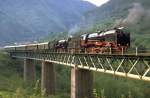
{"x":135,"y":13}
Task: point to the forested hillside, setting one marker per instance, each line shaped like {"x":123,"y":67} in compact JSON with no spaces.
{"x":24,"y":20}
{"x":105,"y":86}
{"x":132,"y":14}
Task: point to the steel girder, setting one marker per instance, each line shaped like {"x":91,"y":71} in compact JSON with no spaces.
{"x":132,"y":66}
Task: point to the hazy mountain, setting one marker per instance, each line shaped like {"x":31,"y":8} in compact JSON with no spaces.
{"x":22,"y":20}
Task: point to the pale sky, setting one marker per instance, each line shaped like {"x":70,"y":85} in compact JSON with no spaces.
{"x":97,"y":2}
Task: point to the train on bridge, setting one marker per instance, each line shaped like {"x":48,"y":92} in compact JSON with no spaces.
{"x":114,"y":40}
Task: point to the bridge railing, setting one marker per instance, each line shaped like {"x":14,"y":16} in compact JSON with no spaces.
{"x":126,"y":65}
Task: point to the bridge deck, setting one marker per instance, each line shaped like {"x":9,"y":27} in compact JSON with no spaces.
{"x":126,"y":65}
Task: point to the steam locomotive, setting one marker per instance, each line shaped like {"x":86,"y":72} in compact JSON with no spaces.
{"x":114,"y":40}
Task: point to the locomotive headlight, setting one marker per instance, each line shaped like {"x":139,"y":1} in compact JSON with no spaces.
{"x":96,"y":42}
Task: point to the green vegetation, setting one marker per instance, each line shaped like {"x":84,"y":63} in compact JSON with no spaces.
{"x":9,"y":74}
{"x":117,"y":87}
{"x":105,"y":86}
{"x":13,"y":86}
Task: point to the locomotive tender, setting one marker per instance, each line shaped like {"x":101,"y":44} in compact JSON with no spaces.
{"x":114,"y":40}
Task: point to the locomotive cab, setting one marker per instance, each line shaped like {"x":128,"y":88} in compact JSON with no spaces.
{"x":123,"y":38}
{"x":117,"y":39}
{"x":84,"y":40}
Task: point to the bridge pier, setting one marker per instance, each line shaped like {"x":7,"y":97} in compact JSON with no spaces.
{"x":48,"y":78}
{"x":81,"y":83}
{"x":29,"y":70}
